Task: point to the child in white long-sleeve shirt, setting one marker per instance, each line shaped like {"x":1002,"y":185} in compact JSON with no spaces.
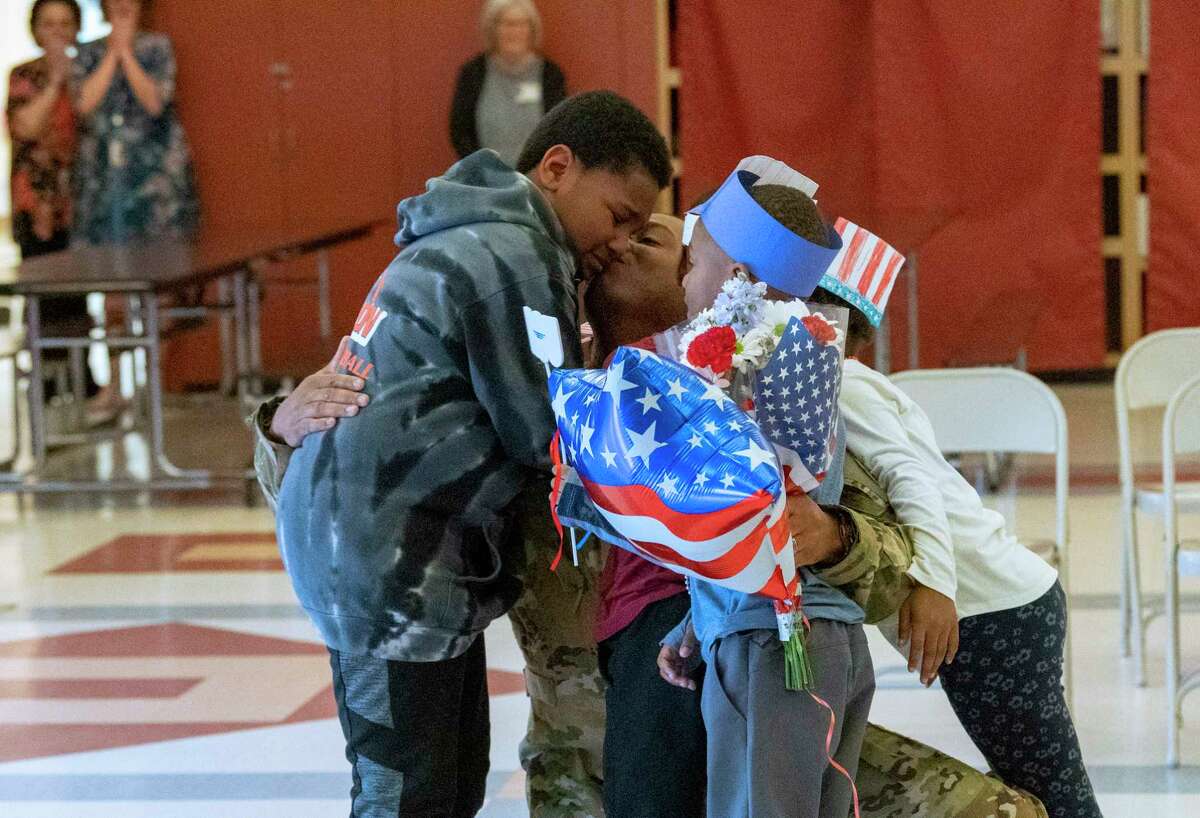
{"x":982,"y":603}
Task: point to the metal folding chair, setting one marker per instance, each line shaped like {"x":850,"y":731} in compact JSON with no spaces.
{"x":1181,"y":437}
{"x":988,"y":410}
{"x":1148,"y":375}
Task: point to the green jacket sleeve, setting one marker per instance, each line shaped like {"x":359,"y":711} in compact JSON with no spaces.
{"x":270,"y":457}
{"x":873,"y":573}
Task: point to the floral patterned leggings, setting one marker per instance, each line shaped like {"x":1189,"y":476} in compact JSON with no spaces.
{"x":1006,"y":687}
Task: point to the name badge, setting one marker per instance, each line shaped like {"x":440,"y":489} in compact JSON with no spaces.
{"x":529,"y":93}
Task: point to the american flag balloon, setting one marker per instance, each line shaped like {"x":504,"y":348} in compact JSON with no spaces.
{"x":675,"y":472}
{"x":796,"y":400}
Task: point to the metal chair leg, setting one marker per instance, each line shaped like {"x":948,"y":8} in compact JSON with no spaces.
{"x":1125,"y":603}
{"x":78,"y":386}
{"x":1174,"y":715}
{"x":1138,"y":613}
{"x":1135,"y":610}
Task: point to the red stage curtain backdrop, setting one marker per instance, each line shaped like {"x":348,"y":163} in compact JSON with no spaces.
{"x":1173,"y":157}
{"x":966,"y":132}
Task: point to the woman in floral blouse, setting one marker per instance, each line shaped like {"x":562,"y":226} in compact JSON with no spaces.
{"x":41,"y":121}
{"x":134,"y":173}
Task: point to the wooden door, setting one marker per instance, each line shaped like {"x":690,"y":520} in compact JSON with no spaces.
{"x":229,"y":100}
{"x":338,"y":103}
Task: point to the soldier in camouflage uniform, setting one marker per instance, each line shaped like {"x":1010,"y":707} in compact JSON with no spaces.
{"x":902,"y":778}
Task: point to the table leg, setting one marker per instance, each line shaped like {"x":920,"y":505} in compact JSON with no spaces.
{"x":37,"y":395}
{"x":241,"y":343}
{"x":150,"y":327}
{"x":160,"y":461}
{"x":226,"y":323}
{"x":254,"y":329}
{"x":78,"y":359}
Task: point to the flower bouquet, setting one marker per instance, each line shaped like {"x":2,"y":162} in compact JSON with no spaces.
{"x":781,"y":361}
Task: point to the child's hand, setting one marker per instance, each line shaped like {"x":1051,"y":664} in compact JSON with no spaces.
{"x":673,"y":664}
{"x":929,"y":624}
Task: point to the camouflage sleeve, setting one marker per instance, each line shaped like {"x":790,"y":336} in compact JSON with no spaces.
{"x":900,"y":776}
{"x":270,"y":458}
{"x":873,"y":574}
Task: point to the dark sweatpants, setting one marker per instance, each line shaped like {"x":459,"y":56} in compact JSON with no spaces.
{"x":1006,"y":687}
{"x":417,"y":734}
{"x":654,"y":745}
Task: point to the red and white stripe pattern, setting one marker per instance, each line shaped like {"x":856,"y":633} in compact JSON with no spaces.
{"x":745,"y":547}
{"x":864,"y":271}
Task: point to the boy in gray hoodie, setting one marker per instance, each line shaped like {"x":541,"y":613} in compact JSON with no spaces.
{"x":398,"y":526}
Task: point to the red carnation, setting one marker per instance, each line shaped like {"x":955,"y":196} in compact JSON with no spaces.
{"x":713,"y":348}
{"x":819,"y":328}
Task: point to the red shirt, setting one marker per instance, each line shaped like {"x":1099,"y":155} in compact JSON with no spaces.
{"x":630,"y":583}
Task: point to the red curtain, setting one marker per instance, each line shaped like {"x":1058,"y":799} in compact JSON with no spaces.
{"x":967,"y":134}
{"x":1173,"y":166}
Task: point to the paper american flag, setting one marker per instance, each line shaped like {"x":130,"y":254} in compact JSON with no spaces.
{"x":795,"y":400}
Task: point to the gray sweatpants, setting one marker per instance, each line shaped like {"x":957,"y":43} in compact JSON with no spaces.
{"x":766,"y":744}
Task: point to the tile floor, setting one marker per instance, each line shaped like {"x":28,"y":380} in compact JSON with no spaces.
{"x":153,"y":662}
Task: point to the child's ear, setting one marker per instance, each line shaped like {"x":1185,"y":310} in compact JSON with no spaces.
{"x":557,"y":167}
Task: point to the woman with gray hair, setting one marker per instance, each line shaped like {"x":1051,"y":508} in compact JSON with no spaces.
{"x":502,"y":93}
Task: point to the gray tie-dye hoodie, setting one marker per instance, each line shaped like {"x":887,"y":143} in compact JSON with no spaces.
{"x":397,"y":526}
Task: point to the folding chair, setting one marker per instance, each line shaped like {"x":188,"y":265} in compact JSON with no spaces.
{"x":988,"y":410}
{"x":1181,"y":436}
{"x":1148,"y":375}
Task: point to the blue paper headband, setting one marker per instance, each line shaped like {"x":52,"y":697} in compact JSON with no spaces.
{"x":751,"y":236}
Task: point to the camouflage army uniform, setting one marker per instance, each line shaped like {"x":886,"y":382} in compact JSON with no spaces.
{"x":902,"y":778}
{"x":873,"y":573}
{"x":562,"y":752}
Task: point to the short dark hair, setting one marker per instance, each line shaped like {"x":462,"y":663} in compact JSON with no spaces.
{"x":71,"y":5}
{"x":794,"y":210}
{"x":604,"y":130}
{"x":860,"y":332}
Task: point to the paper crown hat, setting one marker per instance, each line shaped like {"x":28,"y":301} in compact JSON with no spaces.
{"x":864,"y":270}
{"x":750,"y":235}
